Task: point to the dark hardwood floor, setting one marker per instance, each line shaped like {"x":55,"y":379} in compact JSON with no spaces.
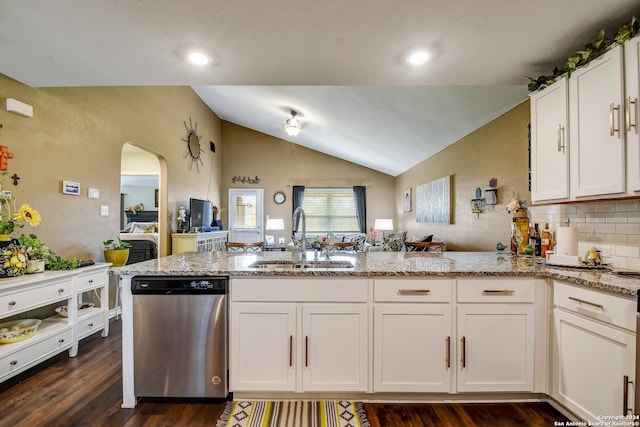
{"x":87,"y":391}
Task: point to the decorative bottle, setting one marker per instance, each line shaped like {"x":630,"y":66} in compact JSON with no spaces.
{"x":546,"y":241}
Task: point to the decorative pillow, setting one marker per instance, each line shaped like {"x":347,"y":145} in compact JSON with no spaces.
{"x":359,"y":238}
{"x":395,"y":244}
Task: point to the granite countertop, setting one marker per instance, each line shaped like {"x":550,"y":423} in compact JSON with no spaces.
{"x":382,"y":264}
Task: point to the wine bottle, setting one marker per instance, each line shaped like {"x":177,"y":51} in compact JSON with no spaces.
{"x":546,"y":241}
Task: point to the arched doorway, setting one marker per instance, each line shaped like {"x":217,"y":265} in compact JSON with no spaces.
{"x":143,"y":191}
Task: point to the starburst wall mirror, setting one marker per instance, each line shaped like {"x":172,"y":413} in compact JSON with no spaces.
{"x":193,"y":145}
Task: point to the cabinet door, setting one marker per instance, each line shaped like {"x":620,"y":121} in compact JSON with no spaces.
{"x":262,"y":350}
{"x":632,"y":112}
{"x":596,"y":129}
{"x":495,"y":347}
{"x":334,"y":347}
{"x":412,"y":347}
{"x":549,"y":145}
{"x":590,"y":361}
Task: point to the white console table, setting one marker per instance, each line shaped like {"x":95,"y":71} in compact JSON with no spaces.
{"x":55,"y":334}
{"x":198,"y":242}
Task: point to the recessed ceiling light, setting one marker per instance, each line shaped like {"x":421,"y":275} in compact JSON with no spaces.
{"x":199,"y":58}
{"x":418,"y":57}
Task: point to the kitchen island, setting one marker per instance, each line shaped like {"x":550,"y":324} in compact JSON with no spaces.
{"x":481,"y":321}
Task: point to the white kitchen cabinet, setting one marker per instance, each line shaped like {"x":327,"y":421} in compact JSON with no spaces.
{"x":293,"y":335}
{"x":593,"y":351}
{"x":495,"y":332}
{"x":412,"y":335}
{"x":262,"y":350}
{"x":549,"y":143}
{"x":335,"y":347}
{"x":596,"y":128}
{"x":632,"y":113}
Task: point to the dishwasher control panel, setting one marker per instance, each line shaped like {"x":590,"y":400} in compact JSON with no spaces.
{"x":162,"y":285}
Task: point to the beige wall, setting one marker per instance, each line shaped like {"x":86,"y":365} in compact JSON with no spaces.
{"x":77,"y":134}
{"x":496,"y":150}
{"x":280,"y":165}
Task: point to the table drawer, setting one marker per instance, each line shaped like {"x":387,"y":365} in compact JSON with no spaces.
{"x":605,"y":307}
{"x":90,"y":281}
{"x":25,"y":299}
{"x":496,"y":290}
{"x":30,"y":355}
{"x":406,"y":290}
{"x":89,"y":323}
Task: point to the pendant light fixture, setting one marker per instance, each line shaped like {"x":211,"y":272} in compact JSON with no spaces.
{"x":293,"y":126}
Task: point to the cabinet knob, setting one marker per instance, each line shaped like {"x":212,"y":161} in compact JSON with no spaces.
{"x":13,"y":363}
{"x":12,"y":302}
{"x":61,"y":340}
{"x":90,"y":281}
{"x":90,"y":325}
{"x":60,"y":290}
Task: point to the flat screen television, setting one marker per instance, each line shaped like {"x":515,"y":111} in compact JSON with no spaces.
{"x":200,"y":213}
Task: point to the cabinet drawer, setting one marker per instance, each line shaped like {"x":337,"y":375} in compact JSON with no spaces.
{"x":89,"y":323}
{"x":90,"y":281}
{"x":605,"y":307}
{"x":28,"y":356}
{"x":496,"y":290}
{"x":401,"y":290}
{"x":19,"y":301}
{"x":299,"y":290}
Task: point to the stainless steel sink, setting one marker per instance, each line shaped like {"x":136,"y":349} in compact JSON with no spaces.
{"x":285,"y":264}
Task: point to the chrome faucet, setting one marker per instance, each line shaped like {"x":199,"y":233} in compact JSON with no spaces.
{"x":297,"y":214}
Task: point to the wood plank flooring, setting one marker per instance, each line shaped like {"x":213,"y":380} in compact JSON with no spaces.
{"x":87,"y":391}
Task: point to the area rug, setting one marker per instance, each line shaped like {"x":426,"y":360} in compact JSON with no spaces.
{"x":323,"y":413}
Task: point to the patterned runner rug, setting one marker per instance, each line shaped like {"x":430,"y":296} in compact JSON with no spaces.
{"x":324,"y":413}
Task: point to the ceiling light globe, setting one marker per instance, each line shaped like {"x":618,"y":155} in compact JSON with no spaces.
{"x":199,"y":58}
{"x":418,"y":58}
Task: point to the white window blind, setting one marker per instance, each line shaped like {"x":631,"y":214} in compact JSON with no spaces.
{"x":330,"y":210}
{"x":246,"y":212}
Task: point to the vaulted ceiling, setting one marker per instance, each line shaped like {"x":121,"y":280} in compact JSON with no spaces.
{"x":340,"y":64}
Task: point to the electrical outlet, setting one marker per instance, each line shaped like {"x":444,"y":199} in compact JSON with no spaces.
{"x":104,"y":210}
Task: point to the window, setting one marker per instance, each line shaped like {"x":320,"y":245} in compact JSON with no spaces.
{"x":245,"y":212}
{"x":330,"y":210}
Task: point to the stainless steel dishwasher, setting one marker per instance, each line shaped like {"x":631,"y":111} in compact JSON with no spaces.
{"x":180,"y":336}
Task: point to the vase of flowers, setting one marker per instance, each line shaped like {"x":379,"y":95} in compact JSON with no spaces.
{"x":13,"y":257}
{"x":517,"y":207}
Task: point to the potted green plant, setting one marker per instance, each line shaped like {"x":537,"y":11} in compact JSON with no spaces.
{"x":37,"y":252}
{"x":116,"y":252}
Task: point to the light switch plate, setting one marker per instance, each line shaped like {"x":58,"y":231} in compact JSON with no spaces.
{"x":93,"y":193}
{"x":104,"y":210}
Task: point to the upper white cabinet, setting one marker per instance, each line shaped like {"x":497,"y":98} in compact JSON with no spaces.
{"x":596,"y":128}
{"x":632,"y":113}
{"x":549,"y":137}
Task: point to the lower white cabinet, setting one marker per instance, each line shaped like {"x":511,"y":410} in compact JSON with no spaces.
{"x":495,"y":347}
{"x":592,"y":359}
{"x":412,"y":348}
{"x":299,"y":346}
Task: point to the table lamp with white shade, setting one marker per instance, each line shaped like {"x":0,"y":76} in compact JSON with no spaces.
{"x":383,"y":224}
{"x":275,"y":224}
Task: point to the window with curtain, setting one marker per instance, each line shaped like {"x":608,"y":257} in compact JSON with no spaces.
{"x":330,"y":209}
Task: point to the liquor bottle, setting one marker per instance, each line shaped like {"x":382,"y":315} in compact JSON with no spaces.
{"x":537,"y":241}
{"x":546,"y":241}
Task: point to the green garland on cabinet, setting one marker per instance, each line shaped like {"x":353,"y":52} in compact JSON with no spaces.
{"x":587,"y":54}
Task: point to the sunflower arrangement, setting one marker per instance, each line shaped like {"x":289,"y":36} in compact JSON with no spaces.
{"x":12,"y":218}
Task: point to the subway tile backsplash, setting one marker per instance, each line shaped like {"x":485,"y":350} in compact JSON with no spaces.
{"x":611,"y":226}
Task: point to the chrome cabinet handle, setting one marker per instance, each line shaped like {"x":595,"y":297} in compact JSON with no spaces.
{"x":627,"y":113}
{"x":414,"y":291}
{"x":499,"y":292}
{"x":612,"y":128}
{"x":561,"y":138}
{"x":593,"y":304}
